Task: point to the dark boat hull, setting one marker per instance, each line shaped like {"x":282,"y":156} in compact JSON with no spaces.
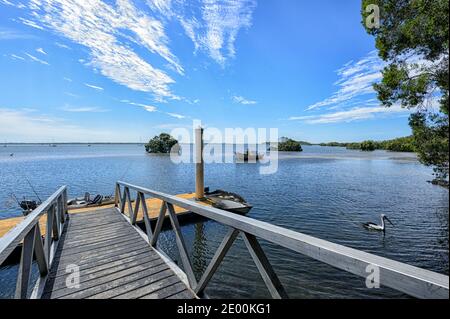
{"x":228,"y":201}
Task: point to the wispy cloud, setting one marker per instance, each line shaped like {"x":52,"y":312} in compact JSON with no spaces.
{"x":9,"y":34}
{"x":35,"y":59}
{"x":9,"y":3}
{"x":31,"y":23}
{"x":67,"y":79}
{"x":162,"y":6}
{"x":17,"y":57}
{"x":95,"y":87}
{"x":175,"y":115}
{"x":63,"y":46}
{"x":25,"y":126}
{"x":99,"y":27}
{"x":148,"y":108}
{"x":356,"y":80}
{"x":71,"y":94}
{"x":84,"y":109}
{"x":41,"y":51}
{"x":212,"y":25}
{"x":243,"y":100}
{"x":354,"y":114}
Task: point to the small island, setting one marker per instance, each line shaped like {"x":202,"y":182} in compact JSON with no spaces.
{"x":161,"y":144}
{"x":289,"y":145}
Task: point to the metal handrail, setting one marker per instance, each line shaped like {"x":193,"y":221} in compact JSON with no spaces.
{"x":28,"y":233}
{"x":408,"y":279}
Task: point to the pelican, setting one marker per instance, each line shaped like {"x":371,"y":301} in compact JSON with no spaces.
{"x":373,"y":226}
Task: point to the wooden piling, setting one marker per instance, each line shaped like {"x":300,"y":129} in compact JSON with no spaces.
{"x":199,"y":173}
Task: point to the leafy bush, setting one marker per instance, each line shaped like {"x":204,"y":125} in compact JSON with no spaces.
{"x":368,"y":146}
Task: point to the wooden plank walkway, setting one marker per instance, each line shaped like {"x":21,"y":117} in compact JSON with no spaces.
{"x":153,"y":206}
{"x":114,"y":262}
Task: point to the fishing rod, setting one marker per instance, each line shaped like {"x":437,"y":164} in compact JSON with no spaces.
{"x":34,"y":190}
{"x":15,"y":198}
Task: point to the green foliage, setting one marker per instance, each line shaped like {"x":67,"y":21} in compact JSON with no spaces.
{"x":161,"y":144}
{"x":411,"y":31}
{"x":334,"y":144}
{"x":431,"y":137}
{"x":368,"y":146}
{"x":401,"y":144}
{"x":289,"y":145}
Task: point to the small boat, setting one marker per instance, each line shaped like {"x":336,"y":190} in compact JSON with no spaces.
{"x":248,"y":157}
{"x":86,"y":201}
{"x":228,"y":201}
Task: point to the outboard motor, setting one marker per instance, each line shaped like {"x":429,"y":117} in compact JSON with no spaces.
{"x":28,"y":205}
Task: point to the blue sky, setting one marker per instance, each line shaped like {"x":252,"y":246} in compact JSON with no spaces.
{"x":103,"y":71}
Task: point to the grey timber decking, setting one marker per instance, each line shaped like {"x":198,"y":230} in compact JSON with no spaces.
{"x":114,"y":262}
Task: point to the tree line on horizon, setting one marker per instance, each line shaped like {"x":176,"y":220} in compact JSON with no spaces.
{"x":401,"y":144}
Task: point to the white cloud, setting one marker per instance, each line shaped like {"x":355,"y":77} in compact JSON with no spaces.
{"x":8,"y":34}
{"x":35,"y":59}
{"x":243,"y":100}
{"x":148,"y":108}
{"x":31,"y":24}
{"x":63,"y":46}
{"x":67,"y":79}
{"x":212,"y":25}
{"x":24,"y":126}
{"x":6,"y":2}
{"x":354,"y":114}
{"x":175,"y":115}
{"x":86,"y":109}
{"x":99,"y":26}
{"x":9,"y":3}
{"x":355,"y":99}
{"x":41,"y":51}
{"x":17,"y":57}
{"x":71,"y":94}
{"x":161,"y":6}
{"x":356,"y":80}
{"x":95,"y":87}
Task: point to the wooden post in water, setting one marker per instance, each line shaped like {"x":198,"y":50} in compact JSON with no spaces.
{"x":199,"y":175}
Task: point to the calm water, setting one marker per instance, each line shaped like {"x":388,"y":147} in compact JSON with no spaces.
{"x":324,"y":192}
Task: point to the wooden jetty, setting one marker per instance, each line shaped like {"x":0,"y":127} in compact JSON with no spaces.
{"x":114,"y":262}
{"x":116,"y":259}
{"x":153,"y":205}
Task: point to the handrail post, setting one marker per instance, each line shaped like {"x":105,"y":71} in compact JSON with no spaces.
{"x":28,"y":233}
{"x":24,"y":273}
{"x":117,"y":195}
{"x":66,"y":208}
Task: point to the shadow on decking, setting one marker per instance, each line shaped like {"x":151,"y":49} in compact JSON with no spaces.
{"x":188,"y":218}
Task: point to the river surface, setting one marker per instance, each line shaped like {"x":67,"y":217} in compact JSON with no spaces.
{"x":325,"y":192}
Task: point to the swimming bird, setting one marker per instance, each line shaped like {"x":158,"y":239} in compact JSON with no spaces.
{"x":12,"y":154}
{"x":382,"y":227}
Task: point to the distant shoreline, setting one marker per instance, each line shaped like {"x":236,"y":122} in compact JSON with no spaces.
{"x":74,"y":143}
